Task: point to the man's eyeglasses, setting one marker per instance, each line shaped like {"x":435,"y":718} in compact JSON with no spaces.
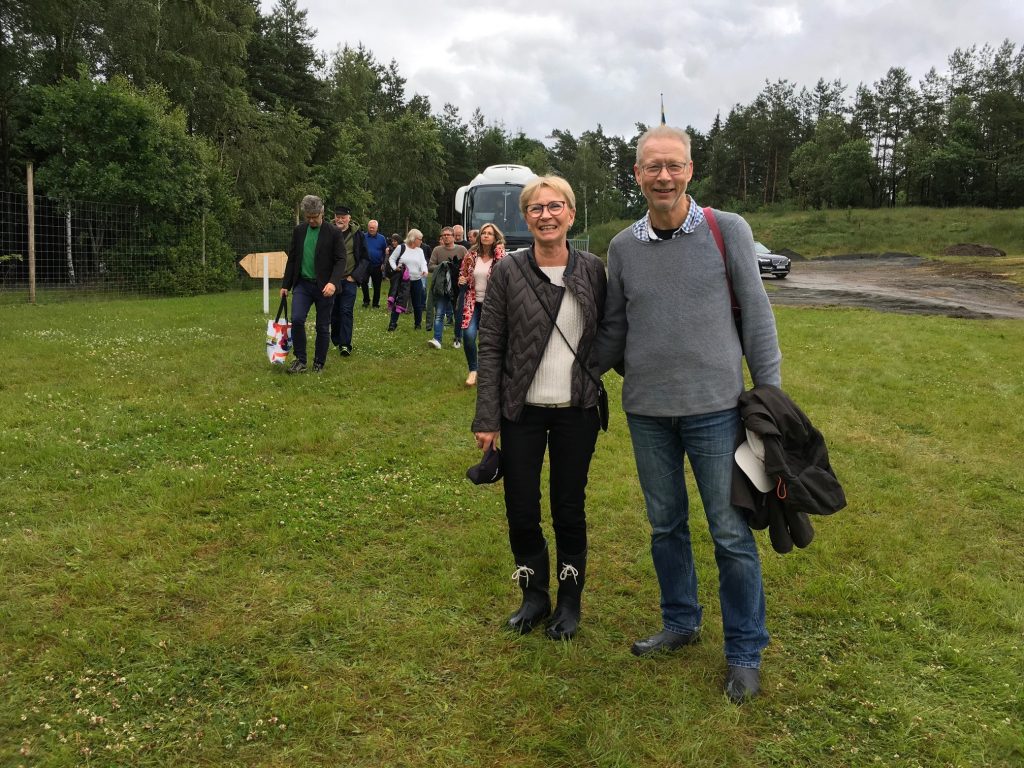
{"x":536,"y":210}
{"x":653,"y":170}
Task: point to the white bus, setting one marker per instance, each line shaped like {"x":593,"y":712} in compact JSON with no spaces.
{"x":493,"y":197}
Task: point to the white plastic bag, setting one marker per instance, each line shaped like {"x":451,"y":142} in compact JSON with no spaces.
{"x":279,"y":335}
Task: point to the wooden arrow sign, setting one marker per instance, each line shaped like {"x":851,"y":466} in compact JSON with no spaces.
{"x":252,"y":263}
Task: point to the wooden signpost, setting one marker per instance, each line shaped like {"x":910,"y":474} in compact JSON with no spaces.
{"x":269,"y":264}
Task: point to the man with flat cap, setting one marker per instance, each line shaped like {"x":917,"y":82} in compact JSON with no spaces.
{"x":344,"y":303}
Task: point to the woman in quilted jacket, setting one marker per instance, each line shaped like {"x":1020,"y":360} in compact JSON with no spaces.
{"x":474,"y":274}
{"x":538,"y":392}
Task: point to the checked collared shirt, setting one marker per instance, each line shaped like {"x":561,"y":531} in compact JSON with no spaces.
{"x":644,"y":232}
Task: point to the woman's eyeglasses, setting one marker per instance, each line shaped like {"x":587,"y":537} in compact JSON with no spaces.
{"x":536,"y":210}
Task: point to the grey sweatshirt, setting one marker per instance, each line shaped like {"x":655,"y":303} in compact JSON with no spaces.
{"x":668,"y":316}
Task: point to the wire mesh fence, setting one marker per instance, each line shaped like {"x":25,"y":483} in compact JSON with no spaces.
{"x":83,"y":250}
{"x":99,"y":250}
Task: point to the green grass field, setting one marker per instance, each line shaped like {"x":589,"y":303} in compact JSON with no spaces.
{"x":206,"y":562}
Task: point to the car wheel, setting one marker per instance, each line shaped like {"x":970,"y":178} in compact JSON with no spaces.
{"x":782,"y":277}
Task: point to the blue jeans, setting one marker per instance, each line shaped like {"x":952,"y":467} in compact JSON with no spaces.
{"x":306,"y":294}
{"x":659,"y":444}
{"x":469,"y":337}
{"x":341,"y":315}
{"x":442,"y":307}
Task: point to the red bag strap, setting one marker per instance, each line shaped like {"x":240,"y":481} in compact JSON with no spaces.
{"x":709,"y":216}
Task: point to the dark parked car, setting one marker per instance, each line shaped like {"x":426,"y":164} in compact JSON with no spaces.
{"x":771,"y":263}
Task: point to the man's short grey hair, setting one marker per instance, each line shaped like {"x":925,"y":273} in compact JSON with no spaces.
{"x":413,"y":236}
{"x":312,"y":205}
{"x":663,"y":132}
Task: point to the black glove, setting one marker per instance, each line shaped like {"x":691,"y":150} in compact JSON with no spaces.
{"x":787,"y":527}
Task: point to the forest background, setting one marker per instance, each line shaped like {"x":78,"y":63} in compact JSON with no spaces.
{"x":211,"y":119}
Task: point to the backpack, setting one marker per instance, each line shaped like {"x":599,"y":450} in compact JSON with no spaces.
{"x":386,"y":266}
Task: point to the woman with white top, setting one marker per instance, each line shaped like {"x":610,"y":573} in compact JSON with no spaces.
{"x":538,"y":391}
{"x":410,"y":256}
{"x":473,"y":276}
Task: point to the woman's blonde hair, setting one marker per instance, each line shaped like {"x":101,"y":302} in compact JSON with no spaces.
{"x":557,"y":183}
{"x":413,"y":236}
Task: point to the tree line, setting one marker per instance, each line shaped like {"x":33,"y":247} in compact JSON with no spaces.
{"x":212,"y":112}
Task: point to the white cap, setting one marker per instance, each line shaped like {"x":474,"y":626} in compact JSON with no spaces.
{"x":750,"y":458}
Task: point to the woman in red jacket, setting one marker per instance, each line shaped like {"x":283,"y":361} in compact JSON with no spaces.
{"x":475,"y":272}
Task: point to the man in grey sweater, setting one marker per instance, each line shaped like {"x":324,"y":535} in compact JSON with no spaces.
{"x":669,"y":320}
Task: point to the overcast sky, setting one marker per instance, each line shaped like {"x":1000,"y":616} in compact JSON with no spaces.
{"x":572,"y":64}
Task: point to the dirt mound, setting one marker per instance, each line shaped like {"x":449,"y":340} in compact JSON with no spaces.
{"x":972,"y":249}
{"x":901,"y":284}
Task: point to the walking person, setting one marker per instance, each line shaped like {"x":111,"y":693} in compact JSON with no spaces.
{"x":538,"y":392}
{"x":460,"y":300}
{"x":342,"y":315}
{"x":313,"y":272}
{"x":394,"y":243}
{"x":409,"y":276}
{"x":473,"y":277}
{"x":460,"y":236}
{"x":376,"y":250}
{"x":445,"y":262}
{"x":675,"y":330}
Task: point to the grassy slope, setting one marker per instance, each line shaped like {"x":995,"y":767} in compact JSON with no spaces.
{"x":204,"y":561}
{"x":920,"y":231}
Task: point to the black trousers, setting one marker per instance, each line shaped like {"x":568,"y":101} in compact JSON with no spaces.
{"x":569,"y":436}
{"x":374,"y":277}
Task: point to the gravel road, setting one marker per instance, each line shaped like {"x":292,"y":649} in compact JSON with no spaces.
{"x":898,"y":283}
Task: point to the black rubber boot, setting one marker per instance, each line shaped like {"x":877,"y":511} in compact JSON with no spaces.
{"x":571,"y":572}
{"x":531,"y":575}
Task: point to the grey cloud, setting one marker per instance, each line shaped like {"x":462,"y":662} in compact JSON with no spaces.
{"x":575,"y":64}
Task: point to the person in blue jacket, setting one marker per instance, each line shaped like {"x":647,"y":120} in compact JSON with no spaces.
{"x":376,"y":250}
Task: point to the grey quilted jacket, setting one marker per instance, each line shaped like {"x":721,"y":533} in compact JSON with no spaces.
{"x":515,"y":327}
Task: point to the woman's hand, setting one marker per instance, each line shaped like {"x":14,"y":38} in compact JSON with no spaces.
{"x":486,"y":440}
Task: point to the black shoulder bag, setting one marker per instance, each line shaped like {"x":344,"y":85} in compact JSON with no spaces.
{"x":602,"y":393}
{"x":386,"y":266}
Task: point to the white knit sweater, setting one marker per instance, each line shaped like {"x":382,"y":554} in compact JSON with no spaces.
{"x":552,"y":383}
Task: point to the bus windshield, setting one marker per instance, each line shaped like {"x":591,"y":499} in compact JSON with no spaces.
{"x":498,"y":204}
